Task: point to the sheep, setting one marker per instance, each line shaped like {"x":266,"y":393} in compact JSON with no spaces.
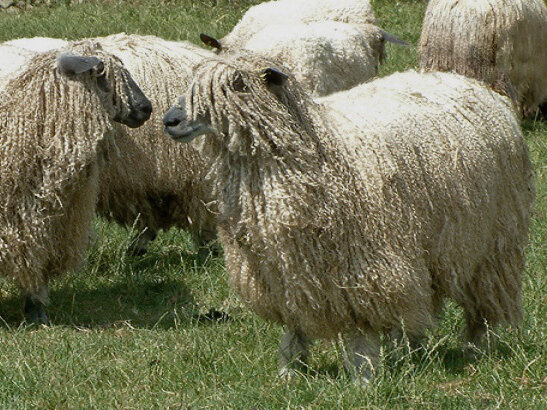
{"x":324,"y":56}
{"x":500,"y":42}
{"x":152,"y":183}
{"x":295,"y":12}
{"x":55,"y":117}
{"x":359,"y":224}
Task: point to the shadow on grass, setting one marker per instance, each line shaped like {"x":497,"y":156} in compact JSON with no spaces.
{"x":138,"y":296}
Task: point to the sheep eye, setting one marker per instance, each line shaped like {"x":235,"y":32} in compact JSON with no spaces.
{"x":238,"y":85}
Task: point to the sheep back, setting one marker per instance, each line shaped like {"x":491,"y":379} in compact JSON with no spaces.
{"x":298,"y":11}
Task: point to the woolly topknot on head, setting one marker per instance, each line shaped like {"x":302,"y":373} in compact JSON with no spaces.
{"x":244,"y":98}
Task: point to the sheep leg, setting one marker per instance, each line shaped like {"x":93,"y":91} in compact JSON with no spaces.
{"x":361,"y":354}
{"x":34,"y":307}
{"x":139,"y":243}
{"x":293,"y":352}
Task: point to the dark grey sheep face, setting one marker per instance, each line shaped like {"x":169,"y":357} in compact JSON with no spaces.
{"x":104,"y":74}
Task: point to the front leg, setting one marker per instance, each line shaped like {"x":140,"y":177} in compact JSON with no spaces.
{"x":361,"y":353}
{"x":293,"y":352}
{"x":139,"y":243}
{"x":34,"y":306}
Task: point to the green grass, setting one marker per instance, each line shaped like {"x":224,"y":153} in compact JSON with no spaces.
{"x":134,"y":332}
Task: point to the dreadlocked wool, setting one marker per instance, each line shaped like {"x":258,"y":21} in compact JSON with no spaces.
{"x":333,"y":222}
{"x":52,"y":131}
{"x":150,"y":181}
{"x":296,"y":12}
{"x":501,"y":42}
{"x":324,"y":57}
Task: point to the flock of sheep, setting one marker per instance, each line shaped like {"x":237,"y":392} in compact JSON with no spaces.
{"x":346,"y":205}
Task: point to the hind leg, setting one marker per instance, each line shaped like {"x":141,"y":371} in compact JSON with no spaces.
{"x":293,"y":352}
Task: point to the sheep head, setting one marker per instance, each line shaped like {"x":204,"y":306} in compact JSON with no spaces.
{"x":104,"y":74}
{"x":184,"y":123}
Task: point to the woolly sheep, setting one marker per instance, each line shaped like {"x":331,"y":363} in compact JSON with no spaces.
{"x":501,"y":42}
{"x":325,"y":56}
{"x":361,"y":220}
{"x":55,"y":116}
{"x":296,"y":12}
{"x":151,"y":182}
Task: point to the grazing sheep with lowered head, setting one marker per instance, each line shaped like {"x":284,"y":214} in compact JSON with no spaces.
{"x":336,"y":225}
{"x":324,"y":57}
{"x":54,"y":117}
{"x":501,"y":42}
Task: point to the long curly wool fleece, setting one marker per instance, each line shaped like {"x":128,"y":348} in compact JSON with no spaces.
{"x":149,"y":178}
{"x":51,"y":131}
{"x":501,"y":42}
{"x":329,"y":226}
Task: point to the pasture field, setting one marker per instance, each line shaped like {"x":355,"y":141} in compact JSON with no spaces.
{"x":138,"y":333}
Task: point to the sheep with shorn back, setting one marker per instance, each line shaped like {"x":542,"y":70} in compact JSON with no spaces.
{"x":55,"y":117}
{"x":501,"y":42}
{"x":333,"y":225}
{"x":152,"y":183}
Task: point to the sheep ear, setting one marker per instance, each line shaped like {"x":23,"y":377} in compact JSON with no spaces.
{"x":210,"y":41}
{"x":70,"y":64}
{"x":274,"y":76}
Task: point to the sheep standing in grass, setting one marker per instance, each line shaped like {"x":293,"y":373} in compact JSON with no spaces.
{"x":55,"y":116}
{"x":362,"y":224}
{"x":501,"y":42}
{"x":151,"y":182}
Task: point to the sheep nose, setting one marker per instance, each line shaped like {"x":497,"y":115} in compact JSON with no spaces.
{"x":173,"y":117}
{"x":145,"y":107}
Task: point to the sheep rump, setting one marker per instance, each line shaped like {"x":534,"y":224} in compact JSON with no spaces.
{"x":500,"y":42}
{"x":320,"y":232}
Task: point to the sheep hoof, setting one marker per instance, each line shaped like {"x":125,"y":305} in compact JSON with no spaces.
{"x":136,"y":249}
{"x":286,"y":373}
{"x":34,"y":312}
{"x":139,"y":243}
